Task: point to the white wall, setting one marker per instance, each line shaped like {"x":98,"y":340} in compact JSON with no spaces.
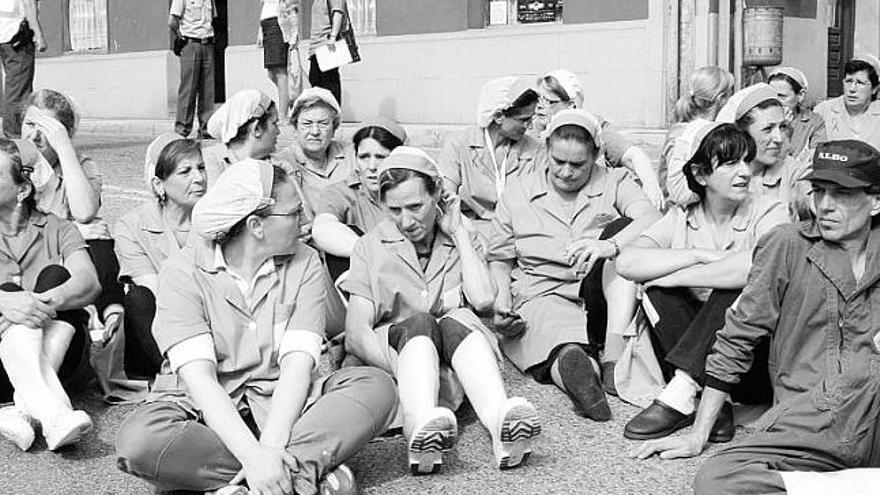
{"x":805,"y":46}
{"x":436,"y":78}
{"x":867,"y":35}
{"x":132,"y":85}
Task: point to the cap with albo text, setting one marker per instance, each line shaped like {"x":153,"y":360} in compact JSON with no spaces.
{"x":849,"y":163}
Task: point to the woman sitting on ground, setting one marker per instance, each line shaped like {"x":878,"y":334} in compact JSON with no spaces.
{"x":552,"y":233}
{"x":477,"y":163}
{"x":149,"y":234}
{"x":47,"y":278}
{"x":413,"y":281}
{"x":806,"y":128}
{"x":69,"y":185}
{"x":695,"y":262}
{"x":247,"y":127}
{"x":561,"y":89}
{"x":318,"y":159}
{"x":350,"y":208}
{"x":240,"y":320}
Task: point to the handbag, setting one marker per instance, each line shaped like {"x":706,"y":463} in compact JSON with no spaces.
{"x":178,"y":44}
{"x":347,"y":35}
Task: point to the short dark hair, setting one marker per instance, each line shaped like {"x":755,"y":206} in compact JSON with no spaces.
{"x":382,"y":136}
{"x":856,"y":65}
{"x":574,"y":133}
{"x":172,"y":154}
{"x":746,"y":120}
{"x":394,"y":177}
{"x":726,"y":143}
{"x":279,"y":176}
{"x":262,"y":124}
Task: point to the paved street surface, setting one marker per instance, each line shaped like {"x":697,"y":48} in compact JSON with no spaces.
{"x":574,"y":455}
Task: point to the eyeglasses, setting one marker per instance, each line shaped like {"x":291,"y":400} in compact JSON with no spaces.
{"x":322,"y":125}
{"x":298,"y":212}
{"x":856,"y":82}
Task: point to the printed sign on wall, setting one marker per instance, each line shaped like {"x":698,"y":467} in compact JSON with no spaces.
{"x":531,"y":11}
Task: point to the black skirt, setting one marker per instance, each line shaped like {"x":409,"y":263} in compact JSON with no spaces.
{"x":274,"y":47}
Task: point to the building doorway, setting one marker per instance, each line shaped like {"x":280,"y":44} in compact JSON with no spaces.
{"x":221,"y":41}
{"x":840,"y":43}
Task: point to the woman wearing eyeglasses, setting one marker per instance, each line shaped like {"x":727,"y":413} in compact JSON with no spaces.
{"x":477,"y":163}
{"x":856,"y":113}
{"x":561,"y":89}
{"x":315,"y":155}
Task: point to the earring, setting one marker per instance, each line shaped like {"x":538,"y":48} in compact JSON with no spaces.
{"x":162,"y":199}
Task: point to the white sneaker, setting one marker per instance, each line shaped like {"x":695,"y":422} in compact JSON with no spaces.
{"x":16,"y":427}
{"x":66,"y":428}
{"x":430,"y":439}
{"x":518,"y":424}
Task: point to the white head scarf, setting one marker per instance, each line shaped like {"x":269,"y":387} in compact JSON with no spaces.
{"x":744,"y":100}
{"x":244,"y":188}
{"x":497,"y":95}
{"x":571,"y":84}
{"x":241,"y":107}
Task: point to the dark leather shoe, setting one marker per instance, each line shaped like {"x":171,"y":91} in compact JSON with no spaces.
{"x":723,"y":429}
{"x":608,"y":377}
{"x":582,"y":384}
{"x":656,"y":421}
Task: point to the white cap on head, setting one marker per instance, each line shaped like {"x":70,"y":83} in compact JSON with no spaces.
{"x":240,"y":108}
{"x":571,"y":84}
{"x":244,"y":188}
{"x":498,"y":95}
{"x":744,"y":100}
{"x":313,"y":94}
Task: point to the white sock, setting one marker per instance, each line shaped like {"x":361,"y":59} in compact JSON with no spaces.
{"x":680,"y":393}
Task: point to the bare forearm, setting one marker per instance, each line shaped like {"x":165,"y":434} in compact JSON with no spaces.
{"x":476,"y":282}
{"x":500,"y":272}
{"x":710,"y":407}
{"x":333,"y":236}
{"x":288,"y":399}
{"x":636,"y":160}
{"x":731,"y":272}
{"x":80,"y":290}
{"x":363,"y":343}
{"x":31,"y":13}
{"x":220,"y":414}
{"x":84,"y":200}
{"x":643,"y":264}
{"x":336,"y":25}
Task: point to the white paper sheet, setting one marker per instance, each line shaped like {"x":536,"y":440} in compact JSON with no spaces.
{"x":329,"y":60}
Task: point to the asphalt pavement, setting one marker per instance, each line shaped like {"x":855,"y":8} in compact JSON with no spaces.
{"x":573,"y":455}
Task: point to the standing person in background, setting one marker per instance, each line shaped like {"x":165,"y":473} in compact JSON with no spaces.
{"x":328,"y":18}
{"x":708,"y":90}
{"x":856,"y":113}
{"x":806,"y":127}
{"x":20,"y":36}
{"x":275,"y":43}
{"x":191,"y":20}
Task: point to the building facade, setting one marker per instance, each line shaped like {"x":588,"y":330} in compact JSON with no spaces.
{"x":425,"y":60}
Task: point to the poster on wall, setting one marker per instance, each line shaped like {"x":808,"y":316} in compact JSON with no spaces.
{"x":532,"y":11}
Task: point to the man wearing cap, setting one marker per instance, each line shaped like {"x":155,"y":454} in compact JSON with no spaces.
{"x":477,"y":163}
{"x":191,"y":20}
{"x":240,"y":321}
{"x":856,"y":113}
{"x":551,"y":234}
{"x":813,"y":289}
